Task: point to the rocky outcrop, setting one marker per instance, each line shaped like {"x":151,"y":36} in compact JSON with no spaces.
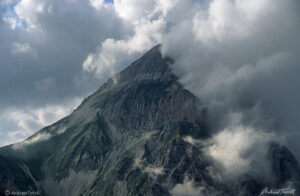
{"x":14,"y":177}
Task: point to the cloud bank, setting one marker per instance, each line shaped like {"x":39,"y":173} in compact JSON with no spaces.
{"x":241,"y":56}
{"x":43,"y":46}
{"x":238,"y":56}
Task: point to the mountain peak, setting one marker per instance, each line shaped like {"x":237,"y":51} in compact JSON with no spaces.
{"x":127,"y":138}
{"x":151,"y":66}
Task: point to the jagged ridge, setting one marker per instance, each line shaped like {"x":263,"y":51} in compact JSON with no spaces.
{"x":128,"y":138}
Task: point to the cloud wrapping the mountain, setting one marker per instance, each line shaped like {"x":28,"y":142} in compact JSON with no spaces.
{"x":241,"y":56}
{"x":21,"y":122}
{"x":238,"y":150}
{"x":237,"y":56}
{"x":147,"y":19}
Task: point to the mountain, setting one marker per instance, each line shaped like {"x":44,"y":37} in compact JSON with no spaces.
{"x":133,"y":136}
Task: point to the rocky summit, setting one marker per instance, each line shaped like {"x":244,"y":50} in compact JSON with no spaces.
{"x":141,"y":133}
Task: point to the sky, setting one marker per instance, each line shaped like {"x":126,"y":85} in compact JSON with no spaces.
{"x":54,"y":53}
{"x":43,"y":45}
{"x":239,"y":57}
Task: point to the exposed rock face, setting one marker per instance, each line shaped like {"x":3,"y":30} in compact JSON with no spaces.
{"x":128,"y":138}
{"x":285,"y":167}
{"x":13,"y":177}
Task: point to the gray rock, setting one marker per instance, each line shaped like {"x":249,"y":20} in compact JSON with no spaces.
{"x":128,"y":139}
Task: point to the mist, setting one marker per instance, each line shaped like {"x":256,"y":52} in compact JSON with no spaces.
{"x":241,"y":59}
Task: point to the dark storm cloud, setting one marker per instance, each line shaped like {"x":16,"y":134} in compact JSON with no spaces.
{"x":63,"y":33}
{"x":241,"y":59}
{"x":42,"y":47}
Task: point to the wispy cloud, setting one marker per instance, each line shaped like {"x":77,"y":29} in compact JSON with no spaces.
{"x":23,"y":122}
{"x":25,"y":48}
{"x":237,"y":56}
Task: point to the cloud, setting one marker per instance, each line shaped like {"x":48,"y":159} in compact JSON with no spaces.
{"x":133,"y":10}
{"x":62,"y":33}
{"x":6,"y":2}
{"x":23,"y":122}
{"x":241,"y":150}
{"x":148,"y":23}
{"x":188,"y":188}
{"x":237,"y":56}
{"x":154,"y":172}
{"x":29,"y":11}
{"x":36,"y":138}
{"x":39,"y":137}
{"x":114,"y":55}
{"x":14,"y":22}
{"x":59,"y":34}
{"x":240,"y":56}
{"x":18,"y":48}
{"x":8,"y":14}
{"x":97,"y":4}
{"x":45,"y":84}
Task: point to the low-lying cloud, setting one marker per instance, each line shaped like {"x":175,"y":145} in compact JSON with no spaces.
{"x":22,"y":123}
{"x":241,"y":150}
{"x":237,"y":56}
{"x":241,"y":57}
{"x":188,"y":188}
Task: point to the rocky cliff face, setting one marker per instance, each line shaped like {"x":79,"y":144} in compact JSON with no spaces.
{"x":131,"y":137}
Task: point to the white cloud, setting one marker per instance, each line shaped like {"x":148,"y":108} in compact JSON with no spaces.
{"x":113,"y":55}
{"x":133,"y":10}
{"x":28,"y":120}
{"x":225,"y":19}
{"x":59,"y":34}
{"x":97,"y":4}
{"x":239,"y":56}
{"x":148,"y":21}
{"x":14,"y":22}
{"x":188,"y":189}
{"x":226,"y":52}
{"x":235,"y":55}
{"x":28,"y":10}
{"x":25,"y":48}
{"x":154,"y":171}
{"x":39,"y":137}
{"x":192,"y":141}
{"x":240,"y":149}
